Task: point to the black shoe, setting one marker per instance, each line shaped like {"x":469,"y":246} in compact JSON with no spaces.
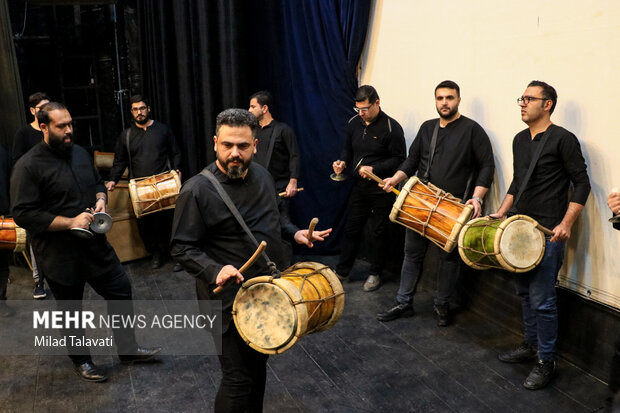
{"x":140,"y":355}
{"x":521,"y":354}
{"x":156,"y":261}
{"x":39,"y":290}
{"x":443,"y":314}
{"x":5,"y":310}
{"x":540,"y":376}
{"x":89,"y":372}
{"x":399,"y":310}
{"x":177,"y":267}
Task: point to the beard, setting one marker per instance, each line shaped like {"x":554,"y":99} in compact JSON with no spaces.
{"x":450,"y":114}
{"x":61,"y":147}
{"x":236,"y":171}
{"x":143,"y":120}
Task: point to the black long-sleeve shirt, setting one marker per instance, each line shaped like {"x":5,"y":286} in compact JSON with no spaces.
{"x":5,"y":173}
{"x":153,"y":151}
{"x":25,"y":138}
{"x":462,"y":148}
{"x":206,"y":236}
{"x":381,"y":144}
{"x":561,"y":163}
{"x":45,"y":185}
{"x":285,"y":161}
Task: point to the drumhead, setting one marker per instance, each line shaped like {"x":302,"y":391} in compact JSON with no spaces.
{"x":265,"y":315}
{"x":521,"y":244}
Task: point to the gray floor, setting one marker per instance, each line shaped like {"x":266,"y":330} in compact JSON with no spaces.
{"x":360,"y":365}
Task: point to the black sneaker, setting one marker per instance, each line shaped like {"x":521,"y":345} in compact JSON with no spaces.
{"x":399,"y":310}
{"x":443,"y":314}
{"x":156,"y":261}
{"x":540,"y":376}
{"x":524,"y":352}
{"x":39,"y":290}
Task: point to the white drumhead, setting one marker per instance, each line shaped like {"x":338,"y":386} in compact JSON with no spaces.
{"x":521,"y":244}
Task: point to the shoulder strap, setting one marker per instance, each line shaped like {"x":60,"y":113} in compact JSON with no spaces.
{"x":128,"y":152}
{"x":233,"y":210}
{"x":432,"y":151}
{"x":272,"y":144}
{"x":533,"y":162}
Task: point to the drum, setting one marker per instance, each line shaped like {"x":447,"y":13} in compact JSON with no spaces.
{"x":271,"y":314}
{"x":431,"y":212}
{"x":12,"y":237}
{"x":513,"y":244}
{"x":154,"y":193}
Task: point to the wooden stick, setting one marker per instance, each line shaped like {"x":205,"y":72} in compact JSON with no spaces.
{"x":245,"y":266}
{"x":545,"y":230}
{"x":379,"y":180}
{"x":311,"y":227}
{"x":283,"y":193}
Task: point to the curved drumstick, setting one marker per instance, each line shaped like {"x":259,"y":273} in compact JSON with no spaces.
{"x":245,"y":266}
{"x":283,"y":193}
{"x":379,"y":180}
{"x":311,"y":227}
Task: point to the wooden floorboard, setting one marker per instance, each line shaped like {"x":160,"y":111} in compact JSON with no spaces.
{"x":360,"y":365}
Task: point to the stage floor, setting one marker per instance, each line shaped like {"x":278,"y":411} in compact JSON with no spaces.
{"x":360,"y":365}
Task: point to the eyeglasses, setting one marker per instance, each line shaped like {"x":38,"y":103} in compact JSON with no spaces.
{"x":140,"y":109}
{"x":362,"y":110}
{"x":527,"y":99}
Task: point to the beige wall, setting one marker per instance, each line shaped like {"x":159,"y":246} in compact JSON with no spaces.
{"x":492,"y":49}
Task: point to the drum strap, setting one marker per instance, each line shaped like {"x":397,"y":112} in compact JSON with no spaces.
{"x":272,"y":143}
{"x":431,"y":152}
{"x":233,"y":210}
{"x":533,"y":162}
{"x":128,"y":152}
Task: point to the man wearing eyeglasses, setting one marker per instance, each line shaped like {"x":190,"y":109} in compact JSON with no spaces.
{"x":544,"y":197}
{"x":377,"y":142}
{"x":148,"y":148}
{"x":460,"y":161}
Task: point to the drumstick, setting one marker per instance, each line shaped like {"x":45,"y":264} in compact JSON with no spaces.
{"x":311,"y":227}
{"x":283,"y":193}
{"x":245,"y":266}
{"x":544,"y":230}
{"x":379,"y":180}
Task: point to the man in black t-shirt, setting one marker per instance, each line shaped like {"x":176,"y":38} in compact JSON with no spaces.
{"x":461,"y":164}
{"x":24,"y":140}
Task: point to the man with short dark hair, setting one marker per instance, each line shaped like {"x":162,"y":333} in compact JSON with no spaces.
{"x":147,"y":148}
{"x":25,"y":138}
{"x":54,"y":188}
{"x":544,"y":197}
{"x":461,"y":163}
{"x":277,"y":148}
{"x":211,"y":245}
{"x":376,"y":142}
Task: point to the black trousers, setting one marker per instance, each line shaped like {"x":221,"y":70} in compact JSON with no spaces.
{"x":111,"y":286}
{"x":4,"y":272}
{"x":155,"y":231}
{"x":374,"y":209}
{"x":244,"y":373}
{"x":614,"y":376}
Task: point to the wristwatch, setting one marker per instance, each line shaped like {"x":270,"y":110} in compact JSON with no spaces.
{"x":477,"y":198}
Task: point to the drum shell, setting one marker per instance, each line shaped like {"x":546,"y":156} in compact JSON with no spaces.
{"x":12,"y":237}
{"x":154,"y":193}
{"x":309,"y":299}
{"x":431,"y":212}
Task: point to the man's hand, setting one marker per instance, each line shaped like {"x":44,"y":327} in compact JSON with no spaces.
{"x":82,"y":221}
{"x":179,"y":173}
{"x":291,"y":188}
{"x":110,"y":185}
{"x":389,"y":183}
{"x":228,"y":272}
{"x":301,"y":236}
{"x":477,"y":207}
{"x":339,"y":166}
{"x":560,"y":233}
{"x":497,"y":215}
{"x":613,"y":202}
{"x":100,"y":205}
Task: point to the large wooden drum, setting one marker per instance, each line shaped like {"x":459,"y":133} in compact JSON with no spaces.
{"x":12,"y":237}
{"x":154,"y":193}
{"x":271,"y":314}
{"x":431,"y":212}
{"x":513,"y":244}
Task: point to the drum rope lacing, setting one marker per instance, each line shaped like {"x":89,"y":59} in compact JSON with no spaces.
{"x":483,"y":253}
{"x":160,"y":197}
